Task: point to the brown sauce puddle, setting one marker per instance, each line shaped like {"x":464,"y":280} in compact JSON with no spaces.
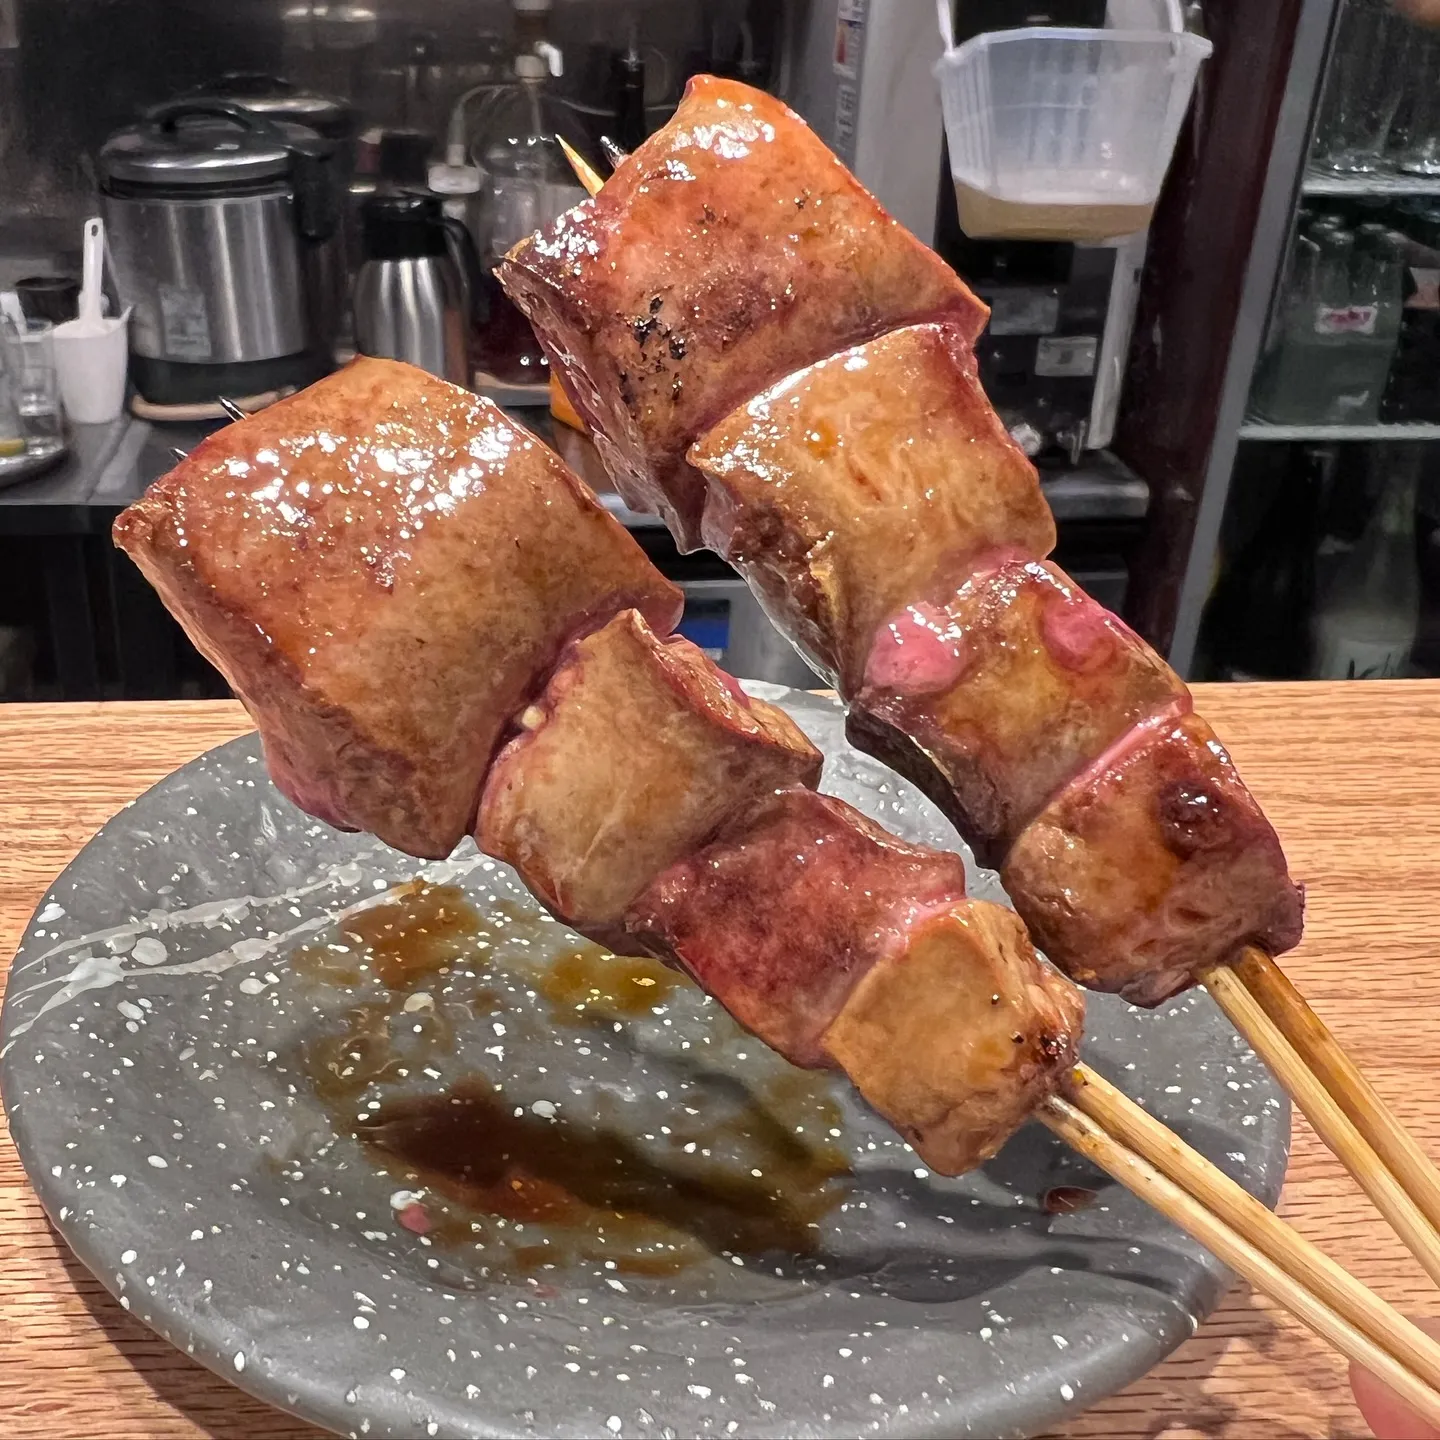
{"x":534,"y":1192}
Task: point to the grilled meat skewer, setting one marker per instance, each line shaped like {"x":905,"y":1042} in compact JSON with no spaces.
{"x":439,"y":630}
{"x":892,"y":529}
{"x":1064,"y":749}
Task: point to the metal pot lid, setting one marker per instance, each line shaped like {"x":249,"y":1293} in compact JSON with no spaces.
{"x":278,"y":99}
{"x":202,"y":143}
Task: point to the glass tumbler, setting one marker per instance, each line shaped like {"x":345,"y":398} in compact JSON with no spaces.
{"x":1420,"y":153}
{"x":1361,"y":93}
{"x":30,"y":360}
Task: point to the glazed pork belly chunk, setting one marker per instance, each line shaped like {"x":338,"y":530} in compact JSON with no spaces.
{"x":385,"y":568}
{"x":1011,"y":689}
{"x":839,"y":945}
{"x":865,"y":483}
{"x":957,"y":1034}
{"x":778,"y":923}
{"x":1153,"y":865}
{"x":638,"y":753}
{"x":731,"y":248}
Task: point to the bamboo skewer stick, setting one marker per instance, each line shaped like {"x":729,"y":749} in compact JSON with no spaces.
{"x":1304,"y":1029}
{"x":585,"y":172}
{"x":1128,"y":1123}
{"x":1086,"y":1135}
{"x":1324,"y":1112}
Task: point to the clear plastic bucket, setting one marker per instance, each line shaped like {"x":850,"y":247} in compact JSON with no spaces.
{"x":1065,"y":134}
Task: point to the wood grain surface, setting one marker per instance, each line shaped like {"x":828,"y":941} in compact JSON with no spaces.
{"x":1349,"y":774}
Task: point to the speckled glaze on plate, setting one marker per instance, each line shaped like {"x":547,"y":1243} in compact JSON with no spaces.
{"x":162,"y":1038}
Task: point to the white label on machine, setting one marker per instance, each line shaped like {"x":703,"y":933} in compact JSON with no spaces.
{"x":1065,"y":356}
{"x":846,"y":104}
{"x":184,"y":323}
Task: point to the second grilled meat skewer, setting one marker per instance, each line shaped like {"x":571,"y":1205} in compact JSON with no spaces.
{"x":733,"y":295}
{"x":1139,"y":875}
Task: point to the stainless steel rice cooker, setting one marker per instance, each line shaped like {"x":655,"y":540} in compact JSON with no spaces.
{"x":213,"y":215}
{"x":327,"y":283}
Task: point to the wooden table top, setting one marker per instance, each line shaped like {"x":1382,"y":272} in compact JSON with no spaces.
{"x":1350,"y":774}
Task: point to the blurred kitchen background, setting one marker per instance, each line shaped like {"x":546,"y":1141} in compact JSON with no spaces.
{"x":1233,"y":394}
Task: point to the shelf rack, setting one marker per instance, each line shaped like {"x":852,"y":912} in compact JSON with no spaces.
{"x":1255,"y":428}
{"x":1383,"y":185}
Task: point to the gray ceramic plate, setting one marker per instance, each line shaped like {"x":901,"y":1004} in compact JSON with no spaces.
{"x":247,"y":1074}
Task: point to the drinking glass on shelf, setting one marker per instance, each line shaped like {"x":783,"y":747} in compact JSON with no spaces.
{"x":30,"y":361}
{"x":1420,"y":151}
{"x":1361,"y":95}
{"x":12,"y":437}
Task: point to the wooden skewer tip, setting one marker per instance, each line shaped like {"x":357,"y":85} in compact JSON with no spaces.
{"x":585,"y":173}
{"x":1323,"y":1054}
